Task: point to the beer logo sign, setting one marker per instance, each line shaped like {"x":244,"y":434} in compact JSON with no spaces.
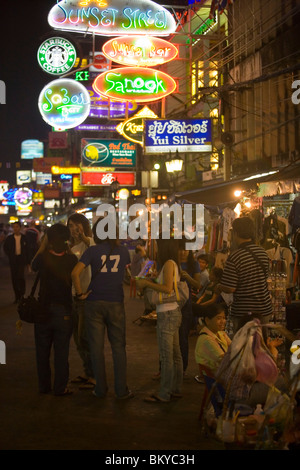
{"x":56,"y":56}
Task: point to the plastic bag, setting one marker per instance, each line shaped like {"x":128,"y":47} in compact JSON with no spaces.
{"x":246,"y":369}
{"x":266,"y":368}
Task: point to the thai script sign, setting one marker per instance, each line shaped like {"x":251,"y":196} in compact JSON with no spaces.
{"x":112,"y":18}
{"x":139,"y":50}
{"x":64,"y":103}
{"x":109,"y":153}
{"x":189,"y":135}
{"x":134,"y":83}
{"x":99,"y":178}
{"x":56,"y":56}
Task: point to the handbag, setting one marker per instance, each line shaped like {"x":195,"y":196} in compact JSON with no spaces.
{"x":30,"y":309}
{"x":180,"y":294}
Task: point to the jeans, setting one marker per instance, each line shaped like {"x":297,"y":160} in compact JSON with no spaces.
{"x":57,"y":331}
{"x":184,"y":331}
{"x":101,"y":316}
{"x":167,"y":328}
{"x":80,"y":337}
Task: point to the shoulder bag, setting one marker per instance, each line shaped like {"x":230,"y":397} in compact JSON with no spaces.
{"x":180,"y":294}
{"x":30,"y":309}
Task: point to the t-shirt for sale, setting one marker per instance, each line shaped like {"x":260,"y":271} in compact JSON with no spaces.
{"x":108,"y":269}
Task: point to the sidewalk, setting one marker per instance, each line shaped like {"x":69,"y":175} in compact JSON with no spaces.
{"x":81,"y":421}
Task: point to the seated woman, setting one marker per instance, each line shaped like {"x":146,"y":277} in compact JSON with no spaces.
{"x":212,"y":342}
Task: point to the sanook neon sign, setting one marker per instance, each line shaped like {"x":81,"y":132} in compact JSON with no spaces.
{"x":139,"y":50}
{"x":134,"y":83}
{"x":64,"y":103}
{"x":112,"y":18}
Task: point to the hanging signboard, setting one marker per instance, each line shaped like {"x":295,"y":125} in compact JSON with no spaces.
{"x":188,"y":135}
{"x":64,"y":103}
{"x":109,"y":153}
{"x":56,"y":56}
{"x":84,"y":191}
{"x":133,"y":128}
{"x":138,"y":84}
{"x":32,"y":148}
{"x":23,"y":176}
{"x":101,"y":107}
{"x":112,"y":18}
{"x":98,"y":178}
{"x":139,"y":50}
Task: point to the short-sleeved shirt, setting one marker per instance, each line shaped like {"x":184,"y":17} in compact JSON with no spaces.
{"x":243,"y":272}
{"x":55,"y":281}
{"x":106,"y":284}
{"x":86,"y":275}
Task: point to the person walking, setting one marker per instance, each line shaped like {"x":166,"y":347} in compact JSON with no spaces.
{"x":104,"y":309}
{"x":16,"y":248}
{"x":81,"y":238}
{"x":168,"y":324}
{"x":55,"y":264}
{"x":245,"y":275}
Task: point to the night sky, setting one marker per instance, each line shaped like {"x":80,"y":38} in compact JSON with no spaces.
{"x":24,"y":27}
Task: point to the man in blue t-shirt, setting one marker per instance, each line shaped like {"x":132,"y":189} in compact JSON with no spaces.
{"x":104,"y":309}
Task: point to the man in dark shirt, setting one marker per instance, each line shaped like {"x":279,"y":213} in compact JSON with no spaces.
{"x":16,"y":248}
{"x":245,"y":275}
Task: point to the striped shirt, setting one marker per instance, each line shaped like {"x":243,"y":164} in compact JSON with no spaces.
{"x":248,"y":277}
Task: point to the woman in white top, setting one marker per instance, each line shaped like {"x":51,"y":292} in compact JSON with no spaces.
{"x":168,"y":324}
{"x":81,"y":239}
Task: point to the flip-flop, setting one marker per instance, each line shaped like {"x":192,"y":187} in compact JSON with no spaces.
{"x":65,"y":393}
{"x":79,"y":380}
{"x":88,"y":385}
{"x":155,"y":399}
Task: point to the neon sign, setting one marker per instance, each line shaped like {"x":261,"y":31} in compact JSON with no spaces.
{"x":134,"y":83}
{"x":139,"y":50}
{"x":112,"y":18}
{"x":64,"y":103}
{"x":56,"y":56}
{"x":133,"y":128}
{"x":23,"y":197}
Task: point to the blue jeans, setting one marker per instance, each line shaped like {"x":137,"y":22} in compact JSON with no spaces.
{"x":101,"y":316}
{"x":168,"y":324}
{"x":56,"y":332}
{"x":184,"y":331}
{"x":80,"y":337}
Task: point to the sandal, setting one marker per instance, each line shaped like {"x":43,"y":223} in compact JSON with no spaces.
{"x":88,"y":385}
{"x":79,"y":380}
{"x":155,"y":399}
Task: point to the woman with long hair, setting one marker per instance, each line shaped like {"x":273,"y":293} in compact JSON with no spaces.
{"x":168,"y":323}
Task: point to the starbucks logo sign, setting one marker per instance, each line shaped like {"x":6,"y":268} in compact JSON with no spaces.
{"x":56,"y":56}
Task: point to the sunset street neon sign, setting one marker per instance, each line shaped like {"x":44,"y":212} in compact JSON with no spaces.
{"x":134,"y":83}
{"x":112,"y":18}
{"x":139,"y":50}
{"x":64,"y":103}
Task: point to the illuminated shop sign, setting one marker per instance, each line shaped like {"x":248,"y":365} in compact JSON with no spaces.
{"x":99,"y":63}
{"x":43,"y":178}
{"x":98,"y":178}
{"x":32,"y":148}
{"x":134,"y":83}
{"x":23,"y":176}
{"x":97,"y":127}
{"x":139,"y":50}
{"x":56,"y":56}
{"x":109,"y":153}
{"x":64,"y":103}
{"x":70,"y":170}
{"x":4,"y":185}
{"x":9,"y":197}
{"x":133,"y":128}
{"x":112,"y":18}
{"x":189,"y":135}
{"x":101,"y":107}
{"x":80,"y":190}
{"x":23,"y":198}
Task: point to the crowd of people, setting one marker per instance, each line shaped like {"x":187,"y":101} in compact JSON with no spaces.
{"x":81,"y":289}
